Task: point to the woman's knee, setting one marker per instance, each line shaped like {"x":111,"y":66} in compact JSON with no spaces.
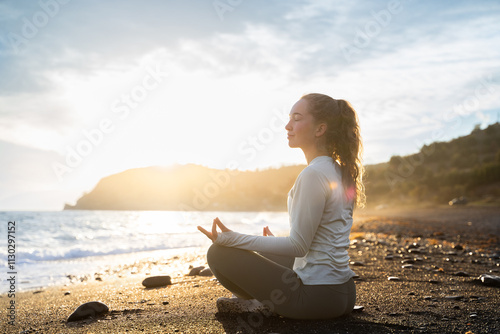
{"x":220,"y":254}
{"x":213,"y":253}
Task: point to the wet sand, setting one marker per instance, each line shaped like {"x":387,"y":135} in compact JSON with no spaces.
{"x":443,"y":251}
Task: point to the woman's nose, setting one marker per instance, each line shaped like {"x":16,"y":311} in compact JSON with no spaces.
{"x":288,"y":127}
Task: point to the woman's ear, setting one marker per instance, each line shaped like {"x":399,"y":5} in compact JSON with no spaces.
{"x":321,"y":129}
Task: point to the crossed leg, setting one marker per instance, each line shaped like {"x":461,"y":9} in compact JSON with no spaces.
{"x":250,"y":275}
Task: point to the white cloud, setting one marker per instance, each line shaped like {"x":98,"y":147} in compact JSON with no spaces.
{"x":227,"y":78}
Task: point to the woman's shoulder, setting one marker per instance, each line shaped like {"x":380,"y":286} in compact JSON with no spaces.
{"x":324,"y":168}
{"x":324,"y":173}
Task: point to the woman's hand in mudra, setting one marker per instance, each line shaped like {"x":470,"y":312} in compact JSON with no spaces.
{"x":267,"y":232}
{"x":213,"y":235}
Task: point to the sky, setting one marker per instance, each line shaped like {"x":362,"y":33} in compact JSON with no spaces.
{"x":92,"y":88}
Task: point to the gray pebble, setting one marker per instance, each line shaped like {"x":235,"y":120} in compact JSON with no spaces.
{"x":87,"y":310}
{"x":196,"y":271}
{"x":206,"y":272}
{"x":413,"y":246}
{"x":357,"y":263}
{"x":495,"y":256}
{"x":457,"y":297}
{"x":491,"y":280}
{"x":157,"y":281}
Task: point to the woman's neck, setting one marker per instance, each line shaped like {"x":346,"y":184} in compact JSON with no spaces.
{"x":313,"y":153}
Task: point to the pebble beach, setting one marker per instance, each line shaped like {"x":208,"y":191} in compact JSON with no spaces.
{"x":433,"y":270}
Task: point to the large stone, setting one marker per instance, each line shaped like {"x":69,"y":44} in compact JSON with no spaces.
{"x":196,"y":271}
{"x":157,"y":281}
{"x":490,"y":280}
{"x":206,"y":272}
{"x":87,"y":310}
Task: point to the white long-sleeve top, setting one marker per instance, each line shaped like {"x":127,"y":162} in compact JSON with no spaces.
{"x":320,"y":224}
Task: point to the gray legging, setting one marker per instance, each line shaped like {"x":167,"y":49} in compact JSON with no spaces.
{"x":270,"y":280}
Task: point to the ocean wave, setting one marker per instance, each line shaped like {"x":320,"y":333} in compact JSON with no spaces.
{"x":29,"y":257}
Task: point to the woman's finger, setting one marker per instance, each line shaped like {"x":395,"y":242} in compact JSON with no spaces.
{"x":208,"y":234}
{"x":214,"y":230}
{"x":267,"y":232}
{"x":222,"y":227}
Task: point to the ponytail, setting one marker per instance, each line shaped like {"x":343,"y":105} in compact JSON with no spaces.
{"x":342,"y":140}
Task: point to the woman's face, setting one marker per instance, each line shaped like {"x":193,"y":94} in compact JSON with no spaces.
{"x":301,"y":128}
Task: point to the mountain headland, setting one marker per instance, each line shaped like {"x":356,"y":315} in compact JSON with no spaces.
{"x":467,"y":166}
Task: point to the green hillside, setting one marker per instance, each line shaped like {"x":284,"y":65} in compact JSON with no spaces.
{"x":467,"y":166}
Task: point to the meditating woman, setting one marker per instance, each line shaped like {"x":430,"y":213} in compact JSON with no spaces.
{"x":305,"y":275}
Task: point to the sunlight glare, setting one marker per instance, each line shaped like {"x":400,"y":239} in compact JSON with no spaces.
{"x":158,"y":222}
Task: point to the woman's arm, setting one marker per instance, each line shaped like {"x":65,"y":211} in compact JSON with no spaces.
{"x":306,"y":210}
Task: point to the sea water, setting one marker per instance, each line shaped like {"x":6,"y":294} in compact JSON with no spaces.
{"x":49,"y":246}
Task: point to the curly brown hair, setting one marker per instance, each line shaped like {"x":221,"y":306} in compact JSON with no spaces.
{"x":343,"y":140}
